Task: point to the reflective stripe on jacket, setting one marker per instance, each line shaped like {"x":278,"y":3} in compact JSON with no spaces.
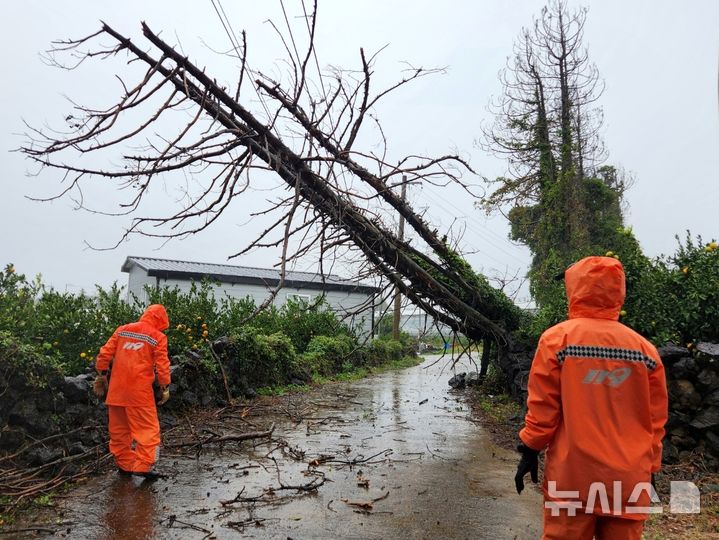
{"x":136,"y":350}
{"x":597,"y":395}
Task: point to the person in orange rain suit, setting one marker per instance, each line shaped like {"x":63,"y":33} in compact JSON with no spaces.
{"x":598,"y":403}
{"x":136,"y":350}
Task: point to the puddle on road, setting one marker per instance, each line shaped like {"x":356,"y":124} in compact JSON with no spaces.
{"x":431,"y":472}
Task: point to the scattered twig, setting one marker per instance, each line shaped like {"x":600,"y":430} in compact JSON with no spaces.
{"x":173,"y":519}
{"x":257,"y":522}
{"x":240,"y":498}
{"x":365,"y":505}
{"x":437,"y":455}
{"x":224,"y":375}
{"x":314,"y":485}
{"x":351,"y":462}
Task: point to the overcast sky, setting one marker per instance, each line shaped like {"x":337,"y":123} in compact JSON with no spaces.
{"x":659,"y":60}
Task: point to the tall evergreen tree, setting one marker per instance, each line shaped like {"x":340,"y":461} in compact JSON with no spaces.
{"x":561,"y":203}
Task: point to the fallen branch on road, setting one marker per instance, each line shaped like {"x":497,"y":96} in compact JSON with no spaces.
{"x":28,"y":530}
{"x":257,"y":522}
{"x":215,"y":438}
{"x":239,"y":498}
{"x":311,"y":486}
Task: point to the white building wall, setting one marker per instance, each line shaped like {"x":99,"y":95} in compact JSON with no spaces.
{"x":341,"y":302}
{"x":354,"y":308}
{"x":136,"y":283}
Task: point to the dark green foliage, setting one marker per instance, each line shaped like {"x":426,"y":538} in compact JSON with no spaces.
{"x":326,"y":355}
{"x":193,"y":315}
{"x":69,"y":328}
{"x":385,"y":325}
{"x":196,"y":317}
{"x":260,"y":359}
{"x":302,"y":322}
{"x":334,"y":350}
{"x":693,"y":282}
{"x":25,"y":365}
{"x":669,"y":298}
{"x":555,"y":240}
{"x":63,"y":332}
{"x":383,"y":350}
{"x":675,"y":298}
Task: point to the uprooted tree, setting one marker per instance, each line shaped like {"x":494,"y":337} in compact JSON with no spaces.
{"x":305,"y":132}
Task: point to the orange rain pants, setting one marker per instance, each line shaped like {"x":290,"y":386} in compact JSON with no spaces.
{"x":138,"y":425}
{"x":587,"y":526}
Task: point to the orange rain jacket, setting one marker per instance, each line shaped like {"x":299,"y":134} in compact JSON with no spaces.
{"x":136,"y":351}
{"x":597,"y":396}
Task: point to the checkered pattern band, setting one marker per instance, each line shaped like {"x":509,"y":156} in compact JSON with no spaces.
{"x":605,"y":353}
{"x":141,"y":337}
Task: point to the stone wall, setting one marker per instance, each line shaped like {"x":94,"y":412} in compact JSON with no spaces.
{"x":45,"y":417}
{"x":32,"y":410}
{"x":65,"y":412}
{"x":693,"y":386}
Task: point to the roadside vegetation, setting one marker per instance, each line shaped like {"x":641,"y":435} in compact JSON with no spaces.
{"x":45,"y":331}
{"x":671,"y":298}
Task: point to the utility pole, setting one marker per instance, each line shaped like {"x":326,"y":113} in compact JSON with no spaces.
{"x":397,"y":295}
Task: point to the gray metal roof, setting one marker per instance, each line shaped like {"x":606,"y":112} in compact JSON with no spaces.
{"x":165,"y":268}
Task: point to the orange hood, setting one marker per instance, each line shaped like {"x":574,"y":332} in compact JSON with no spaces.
{"x":156,"y":316}
{"x":595,"y":288}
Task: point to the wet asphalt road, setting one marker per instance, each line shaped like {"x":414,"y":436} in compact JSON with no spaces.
{"x":431,"y":471}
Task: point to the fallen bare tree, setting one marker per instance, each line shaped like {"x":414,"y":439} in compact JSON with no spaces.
{"x":305,"y":133}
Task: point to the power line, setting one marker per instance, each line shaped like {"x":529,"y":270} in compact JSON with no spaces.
{"x":475,"y":228}
{"x":230,"y":34}
{"x":227,"y":27}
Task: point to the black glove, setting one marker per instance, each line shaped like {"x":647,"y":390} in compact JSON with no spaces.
{"x":528,"y":464}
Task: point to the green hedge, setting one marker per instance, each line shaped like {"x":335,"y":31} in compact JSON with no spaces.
{"x":669,"y":298}
{"x":69,"y":329}
{"x":256,"y":359}
{"x":260,"y":359}
{"x":25,"y":365}
{"x":327,"y":355}
{"x":383,"y":350}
